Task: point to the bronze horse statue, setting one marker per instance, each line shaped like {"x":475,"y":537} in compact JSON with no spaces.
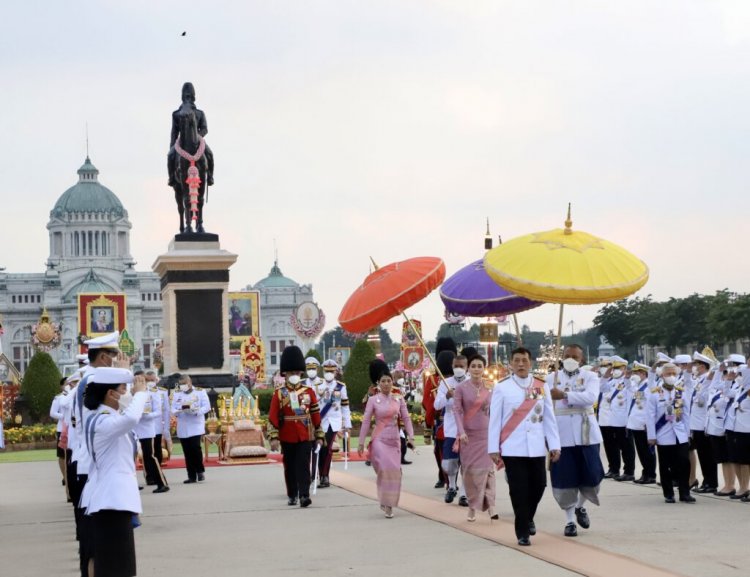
{"x":190,"y":150}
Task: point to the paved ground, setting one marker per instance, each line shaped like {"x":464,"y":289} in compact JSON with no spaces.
{"x":238,"y":522}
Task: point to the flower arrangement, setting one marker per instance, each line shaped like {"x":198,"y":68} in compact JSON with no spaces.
{"x":30,"y":434}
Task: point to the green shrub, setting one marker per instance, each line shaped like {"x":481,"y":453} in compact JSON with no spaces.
{"x":263,"y":397}
{"x":315,"y":354}
{"x":41,"y":383}
{"x":357,"y":373}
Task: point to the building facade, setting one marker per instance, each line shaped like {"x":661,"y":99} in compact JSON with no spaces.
{"x":279,"y":297}
{"x":89,"y":252}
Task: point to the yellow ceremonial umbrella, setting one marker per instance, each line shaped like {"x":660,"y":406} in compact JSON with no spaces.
{"x":565,"y":266}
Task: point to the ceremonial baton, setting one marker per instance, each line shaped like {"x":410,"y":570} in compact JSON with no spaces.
{"x":317,"y":472}
{"x":346,"y":450}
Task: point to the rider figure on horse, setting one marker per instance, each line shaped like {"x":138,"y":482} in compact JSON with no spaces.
{"x":188,"y":97}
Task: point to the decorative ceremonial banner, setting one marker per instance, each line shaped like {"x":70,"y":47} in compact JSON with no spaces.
{"x":412,"y":358}
{"x":45,"y":335}
{"x":253,"y":356}
{"x":308,"y":320}
{"x":488,"y":333}
{"x":100,"y":313}
{"x":244,"y":318}
{"x":408,"y":337}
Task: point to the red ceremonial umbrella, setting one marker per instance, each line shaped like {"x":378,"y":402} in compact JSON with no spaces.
{"x":389,"y":291}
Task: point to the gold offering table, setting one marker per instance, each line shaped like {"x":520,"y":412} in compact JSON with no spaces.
{"x":242,"y":440}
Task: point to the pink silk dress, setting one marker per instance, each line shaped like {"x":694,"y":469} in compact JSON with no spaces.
{"x":385,"y":447}
{"x":472,"y":411}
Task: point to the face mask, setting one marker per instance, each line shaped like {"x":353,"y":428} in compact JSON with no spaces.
{"x":312,"y":373}
{"x":617,"y":373}
{"x":184,"y":388}
{"x":670,"y":381}
{"x":570,"y":365}
{"x":635,"y":379}
{"x":66,"y":389}
{"x":124,"y":401}
{"x":293,"y":379}
{"x":151,"y":385}
{"x":602,"y":370}
{"x":459,"y":373}
{"x":658,"y":371}
{"x":329,"y":376}
{"x":400,"y":382}
{"x":694,"y":371}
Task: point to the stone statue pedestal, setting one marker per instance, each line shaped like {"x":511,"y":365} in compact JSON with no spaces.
{"x":194,"y":275}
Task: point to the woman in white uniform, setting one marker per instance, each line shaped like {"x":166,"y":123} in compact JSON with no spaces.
{"x":111,"y":495}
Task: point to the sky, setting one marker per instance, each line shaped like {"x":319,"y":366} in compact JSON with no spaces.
{"x":349,"y":129}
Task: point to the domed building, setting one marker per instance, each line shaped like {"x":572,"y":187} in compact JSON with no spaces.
{"x":89,"y":252}
{"x":279,"y":297}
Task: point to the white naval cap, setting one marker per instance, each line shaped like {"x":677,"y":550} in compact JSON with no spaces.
{"x":605,"y":361}
{"x":662,"y":358}
{"x":618,"y":361}
{"x":111,"y":376}
{"x":312,"y":362}
{"x":736,"y":358}
{"x":330,"y":364}
{"x":682,"y":359}
{"x":83,"y":359}
{"x":587,"y":368}
{"x":640,"y":367}
{"x":702,"y":358}
{"x":108,"y":341}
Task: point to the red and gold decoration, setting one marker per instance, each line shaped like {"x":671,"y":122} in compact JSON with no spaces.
{"x":45,"y":335}
{"x":244,"y":318}
{"x":253,"y":356}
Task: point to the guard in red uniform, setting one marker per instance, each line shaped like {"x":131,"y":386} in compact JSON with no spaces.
{"x":294,"y":419}
{"x":433,"y":419}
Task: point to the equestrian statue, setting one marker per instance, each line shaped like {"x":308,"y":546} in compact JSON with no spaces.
{"x":190,"y":162}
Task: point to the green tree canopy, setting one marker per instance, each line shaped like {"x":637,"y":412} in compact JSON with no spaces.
{"x":41,"y":382}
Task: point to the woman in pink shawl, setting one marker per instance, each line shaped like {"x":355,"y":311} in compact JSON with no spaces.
{"x":471,"y":408}
{"x":385,"y":445}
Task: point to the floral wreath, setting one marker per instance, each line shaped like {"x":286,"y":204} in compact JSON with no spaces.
{"x":311,"y":332}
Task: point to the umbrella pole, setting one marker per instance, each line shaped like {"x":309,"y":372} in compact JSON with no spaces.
{"x":557,"y":346}
{"x":518,"y":332}
{"x":424,"y":346}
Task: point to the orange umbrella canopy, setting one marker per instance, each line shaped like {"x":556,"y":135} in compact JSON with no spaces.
{"x":389,"y":291}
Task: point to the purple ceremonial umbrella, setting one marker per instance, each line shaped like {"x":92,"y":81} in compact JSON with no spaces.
{"x":472,"y":293}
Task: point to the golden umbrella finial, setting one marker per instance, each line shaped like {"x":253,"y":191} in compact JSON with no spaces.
{"x":568,"y":223}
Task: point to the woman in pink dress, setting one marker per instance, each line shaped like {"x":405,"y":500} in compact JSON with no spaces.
{"x":471,"y":408}
{"x":385,"y":445}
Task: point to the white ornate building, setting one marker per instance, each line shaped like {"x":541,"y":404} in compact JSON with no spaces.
{"x":279,"y":297}
{"x":89,"y":251}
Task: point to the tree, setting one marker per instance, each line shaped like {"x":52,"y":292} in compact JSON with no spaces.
{"x":357,"y":372}
{"x":315,"y":354}
{"x":41,"y":382}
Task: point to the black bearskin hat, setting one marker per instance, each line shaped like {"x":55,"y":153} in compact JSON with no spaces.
{"x":292,"y":359}
{"x":378,"y":368}
{"x":445,"y":362}
{"x":445,"y":344}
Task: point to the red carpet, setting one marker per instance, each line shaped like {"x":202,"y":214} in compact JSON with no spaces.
{"x":178,"y":461}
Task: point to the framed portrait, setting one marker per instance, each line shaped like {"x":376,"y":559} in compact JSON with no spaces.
{"x":340,"y":355}
{"x":101,"y":313}
{"x":243,"y":318}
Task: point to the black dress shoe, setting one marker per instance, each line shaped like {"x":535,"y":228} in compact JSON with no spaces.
{"x":188,"y":481}
{"x":740,"y":495}
{"x":725,"y":493}
{"x":669,"y":499}
{"x":140,"y":487}
{"x":368,"y":463}
{"x":687,"y":499}
{"x":649,"y":481}
{"x":463,"y":501}
{"x":583,"y":517}
{"x":532,"y":528}
{"x":745,"y":499}
{"x":524,"y":541}
{"x":622,"y":478}
{"x":439,"y":484}
{"x":162,"y":489}
{"x":201,"y":477}
{"x":640,"y":480}
{"x":305,"y":502}
{"x":405,"y":462}
{"x":694,"y":485}
{"x":450,"y":494}
{"x":705,"y":490}
{"x":292,"y":501}
{"x":610,"y":475}
{"x":570,"y":530}
{"x":324,"y":482}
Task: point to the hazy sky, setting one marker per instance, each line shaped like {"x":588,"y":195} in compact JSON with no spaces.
{"x":346,"y":129}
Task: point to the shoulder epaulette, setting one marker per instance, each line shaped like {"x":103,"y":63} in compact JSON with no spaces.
{"x":161,"y":388}
{"x":198,"y":388}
